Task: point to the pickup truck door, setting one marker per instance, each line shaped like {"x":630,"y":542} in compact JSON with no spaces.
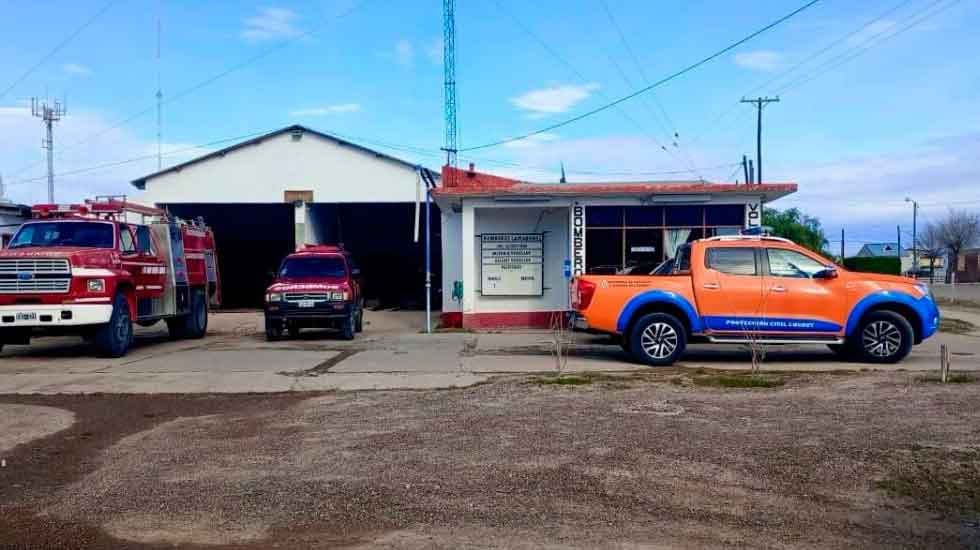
{"x":729,"y":289}
{"x":795,"y":302}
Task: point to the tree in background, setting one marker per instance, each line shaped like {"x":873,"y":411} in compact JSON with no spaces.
{"x":958,"y":230}
{"x":796,"y":226}
{"x":930,"y":247}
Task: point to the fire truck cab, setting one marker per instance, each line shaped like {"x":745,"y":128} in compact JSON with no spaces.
{"x":97,"y":268}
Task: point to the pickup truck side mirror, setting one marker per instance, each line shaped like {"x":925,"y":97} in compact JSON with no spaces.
{"x":355,"y":272}
{"x":827,"y":273}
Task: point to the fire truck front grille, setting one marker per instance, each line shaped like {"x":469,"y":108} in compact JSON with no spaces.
{"x":34,"y":275}
{"x":307,"y":296}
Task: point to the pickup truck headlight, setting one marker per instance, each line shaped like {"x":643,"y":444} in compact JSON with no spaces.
{"x":96,"y":285}
{"x":337,"y":296}
{"x":273,"y":297}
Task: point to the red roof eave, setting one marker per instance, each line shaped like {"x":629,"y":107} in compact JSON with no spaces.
{"x":466,"y":183}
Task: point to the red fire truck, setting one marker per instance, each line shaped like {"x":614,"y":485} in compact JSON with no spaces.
{"x":95,"y":269}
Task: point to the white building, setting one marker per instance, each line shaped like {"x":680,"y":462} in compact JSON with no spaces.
{"x":510,"y":247}
{"x":295,"y":186}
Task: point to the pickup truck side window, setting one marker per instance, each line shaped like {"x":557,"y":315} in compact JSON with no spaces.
{"x":787,"y":263}
{"x":732,"y":260}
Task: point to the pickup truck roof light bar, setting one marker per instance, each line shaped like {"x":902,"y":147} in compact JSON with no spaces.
{"x":748,"y":238}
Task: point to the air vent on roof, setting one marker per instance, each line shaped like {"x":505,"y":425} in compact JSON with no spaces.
{"x":297,"y":134}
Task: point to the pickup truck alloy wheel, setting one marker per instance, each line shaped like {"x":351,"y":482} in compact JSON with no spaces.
{"x":881,"y":338}
{"x":885,"y":337}
{"x":657,"y":339}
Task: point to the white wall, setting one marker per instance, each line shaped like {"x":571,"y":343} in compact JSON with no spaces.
{"x":260,"y":173}
{"x":553,"y":221}
{"x":452,"y":263}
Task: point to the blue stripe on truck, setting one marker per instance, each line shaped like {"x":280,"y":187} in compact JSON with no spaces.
{"x":769,"y":324}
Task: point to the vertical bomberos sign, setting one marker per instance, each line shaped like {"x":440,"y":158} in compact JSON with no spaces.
{"x":578,"y":239}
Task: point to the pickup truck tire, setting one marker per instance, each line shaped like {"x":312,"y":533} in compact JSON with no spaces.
{"x":113,"y":339}
{"x":359,"y":324}
{"x":293,"y":330}
{"x":347,"y":327}
{"x":883,"y":337}
{"x":273,"y":330}
{"x":657,"y":339}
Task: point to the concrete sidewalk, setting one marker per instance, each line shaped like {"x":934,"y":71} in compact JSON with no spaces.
{"x":235,"y":358}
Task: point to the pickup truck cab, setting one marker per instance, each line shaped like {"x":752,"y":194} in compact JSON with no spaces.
{"x":751,"y":289}
{"x":317,"y":286}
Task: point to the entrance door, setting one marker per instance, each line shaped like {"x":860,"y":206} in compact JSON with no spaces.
{"x":730,"y":294}
{"x":795,"y":302}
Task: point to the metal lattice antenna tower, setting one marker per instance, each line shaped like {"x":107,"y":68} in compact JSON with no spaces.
{"x":159,"y":91}
{"x":49,"y":114}
{"x":449,"y":68}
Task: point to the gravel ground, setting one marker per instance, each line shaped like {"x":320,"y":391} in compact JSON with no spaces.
{"x":643,"y":461}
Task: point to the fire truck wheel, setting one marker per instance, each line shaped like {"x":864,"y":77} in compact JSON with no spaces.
{"x":273,"y":330}
{"x":113,"y":338}
{"x":197,"y":321}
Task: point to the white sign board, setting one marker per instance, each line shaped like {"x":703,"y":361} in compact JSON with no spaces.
{"x":512,"y":264}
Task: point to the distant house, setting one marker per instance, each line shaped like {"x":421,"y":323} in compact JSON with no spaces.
{"x":968,"y":266}
{"x":879,"y":250}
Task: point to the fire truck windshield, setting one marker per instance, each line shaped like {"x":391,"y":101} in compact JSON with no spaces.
{"x":64,"y":233}
{"x":315,"y":266}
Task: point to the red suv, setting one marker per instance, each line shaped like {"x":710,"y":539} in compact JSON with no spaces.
{"x":317,"y":286}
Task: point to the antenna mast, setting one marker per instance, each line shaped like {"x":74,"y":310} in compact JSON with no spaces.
{"x":449,"y":68}
{"x":159,"y":91}
{"x":49,"y":114}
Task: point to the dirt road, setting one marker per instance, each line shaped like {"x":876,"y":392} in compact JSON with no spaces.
{"x":860,"y":460}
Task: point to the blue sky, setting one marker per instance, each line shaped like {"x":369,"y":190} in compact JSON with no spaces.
{"x":899,"y":119}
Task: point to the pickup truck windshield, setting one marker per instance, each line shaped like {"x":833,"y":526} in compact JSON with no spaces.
{"x":325,"y":266}
{"x":83,"y":234}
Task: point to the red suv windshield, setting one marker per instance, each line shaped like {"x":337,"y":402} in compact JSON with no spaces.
{"x":312,"y":267}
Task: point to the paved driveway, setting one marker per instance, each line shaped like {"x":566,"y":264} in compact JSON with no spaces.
{"x":391,"y":353}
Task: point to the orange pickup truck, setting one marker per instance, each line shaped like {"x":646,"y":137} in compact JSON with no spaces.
{"x":752,"y":289}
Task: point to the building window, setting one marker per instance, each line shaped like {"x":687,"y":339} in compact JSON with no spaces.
{"x":619,"y":237}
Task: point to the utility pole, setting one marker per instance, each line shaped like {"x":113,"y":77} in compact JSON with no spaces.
{"x":745,"y":168}
{"x":915,"y":237}
{"x":759,"y":103}
{"x":841,"y":246}
{"x":49,"y":114}
{"x":751,"y":173}
{"x":898,"y":231}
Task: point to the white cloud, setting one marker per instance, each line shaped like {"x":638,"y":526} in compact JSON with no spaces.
{"x":23,"y":159}
{"x":759,"y":60}
{"x":434,"y":51}
{"x":270,"y":24}
{"x":556,"y":99}
{"x":532,"y":141}
{"x":404,"y":53}
{"x":74,"y":68}
{"x":327,"y":110}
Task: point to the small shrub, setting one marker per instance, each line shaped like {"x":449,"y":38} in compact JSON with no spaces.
{"x":567,"y":380}
{"x":956,"y":378}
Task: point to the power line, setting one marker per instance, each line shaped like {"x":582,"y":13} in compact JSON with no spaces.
{"x":210,"y":80}
{"x":796,"y":66}
{"x":568,"y":65}
{"x":671,"y":129}
{"x":57,"y":48}
{"x":867,"y":45}
{"x":645,"y":89}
